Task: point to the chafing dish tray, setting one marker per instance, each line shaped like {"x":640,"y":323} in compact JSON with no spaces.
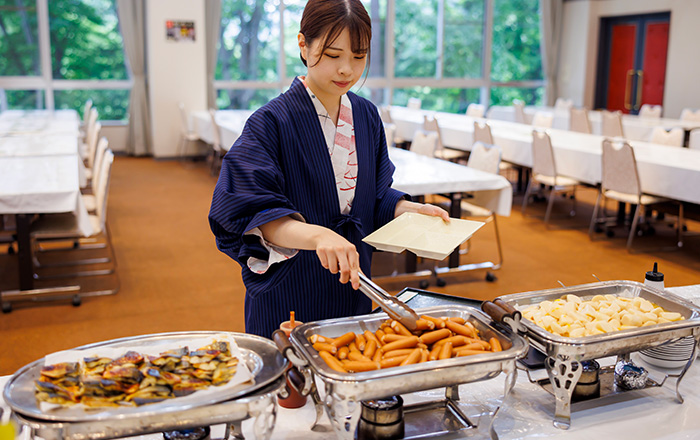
{"x":260,"y":355}
{"x":564,"y":354}
{"x":345,"y":391}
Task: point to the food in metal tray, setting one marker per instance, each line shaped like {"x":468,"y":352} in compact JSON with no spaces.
{"x":135,"y":379}
{"x":572,"y":316}
{"x":394,"y":345}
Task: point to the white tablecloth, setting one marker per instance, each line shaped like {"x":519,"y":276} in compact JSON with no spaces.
{"x":649,"y":414}
{"x":421,"y":175}
{"x":634,"y":127}
{"x":665,"y":171}
{"x":231,"y":123}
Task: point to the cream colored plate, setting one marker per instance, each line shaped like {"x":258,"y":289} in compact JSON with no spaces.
{"x":424,"y":235}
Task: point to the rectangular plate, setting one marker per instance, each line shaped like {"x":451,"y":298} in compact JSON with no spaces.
{"x":424,"y":235}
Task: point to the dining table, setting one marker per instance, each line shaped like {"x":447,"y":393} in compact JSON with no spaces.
{"x":230,"y":123}
{"x":41,"y":172}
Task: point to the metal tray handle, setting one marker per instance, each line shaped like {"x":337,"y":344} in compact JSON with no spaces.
{"x":512,"y":311}
{"x":496,"y":312}
{"x":505,"y":314}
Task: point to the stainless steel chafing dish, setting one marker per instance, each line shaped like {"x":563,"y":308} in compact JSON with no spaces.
{"x":256,"y":400}
{"x":564,"y":354}
{"x":345,"y":391}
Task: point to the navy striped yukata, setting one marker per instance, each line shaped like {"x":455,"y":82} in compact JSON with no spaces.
{"x":280,"y":166}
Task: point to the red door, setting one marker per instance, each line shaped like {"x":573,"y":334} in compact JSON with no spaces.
{"x":632,"y":61}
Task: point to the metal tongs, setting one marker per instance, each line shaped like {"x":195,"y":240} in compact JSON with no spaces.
{"x":396,"y":309}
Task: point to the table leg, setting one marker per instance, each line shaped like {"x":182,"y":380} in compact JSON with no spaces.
{"x":24,"y":253}
{"x":455,"y":212}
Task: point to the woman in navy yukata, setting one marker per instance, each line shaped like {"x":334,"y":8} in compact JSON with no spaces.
{"x":308,"y":178}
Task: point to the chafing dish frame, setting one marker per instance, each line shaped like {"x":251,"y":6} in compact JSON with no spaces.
{"x":564,"y":354}
{"x":345,"y":391}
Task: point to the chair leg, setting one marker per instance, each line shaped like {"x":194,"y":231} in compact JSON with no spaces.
{"x":498,"y":243}
{"x":527,"y":194}
{"x":594,"y":218}
{"x":633,"y":228}
{"x":552,"y":194}
{"x":680,"y":224}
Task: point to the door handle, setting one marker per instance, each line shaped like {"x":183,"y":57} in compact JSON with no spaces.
{"x":628,"y":89}
{"x":640,"y":81}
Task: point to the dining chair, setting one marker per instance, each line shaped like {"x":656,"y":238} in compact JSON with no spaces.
{"x":385,"y":113}
{"x":688,"y":114}
{"x":620,"y":181}
{"x":485,"y":158}
{"x":542,"y":120}
{"x":475,"y":110}
{"x":86,"y":116}
{"x":562,"y":104}
{"x":650,"y":111}
{"x":431,"y":125}
{"x":389,"y":132}
{"x":519,"y":109}
{"x":414,"y":103}
{"x":92,"y":120}
{"x":424,"y":143}
{"x":544,"y":171}
{"x":673,"y":137}
{"x":92,"y":138}
{"x":65,"y":228}
{"x":694,"y":139}
{"x":612,"y":124}
{"x":578,"y":120}
{"x":90,"y":200}
{"x":482,"y":132}
{"x":187,"y":133}
{"x":217,"y":150}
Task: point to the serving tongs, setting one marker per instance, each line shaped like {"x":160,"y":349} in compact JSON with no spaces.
{"x":393,"y":307}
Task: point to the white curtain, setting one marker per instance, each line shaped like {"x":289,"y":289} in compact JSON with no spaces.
{"x":212,"y":27}
{"x":550,"y":41}
{"x":131,"y":21}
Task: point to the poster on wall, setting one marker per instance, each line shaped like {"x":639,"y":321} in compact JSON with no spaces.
{"x":179,"y":31}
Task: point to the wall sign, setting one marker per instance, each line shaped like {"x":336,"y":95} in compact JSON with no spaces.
{"x":178,"y":31}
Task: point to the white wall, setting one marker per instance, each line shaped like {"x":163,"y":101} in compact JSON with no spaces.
{"x":176,"y":70}
{"x":578,"y":58}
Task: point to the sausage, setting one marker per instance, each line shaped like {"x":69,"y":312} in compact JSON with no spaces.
{"x":455,"y":340}
{"x":360,"y":341}
{"x":357,"y":356}
{"x":391,"y":338}
{"x":370,"y":348}
{"x":318,"y":338}
{"x":369,"y":336}
{"x":423,"y":355}
{"x":400,"y":329}
{"x":409,"y":342}
{"x":457,"y":319}
{"x":424,"y":324}
{"x":332,"y":362}
{"x":495,"y":344}
{"x":379,"y":334}
{"x":377,"y":355}
{"x":435,"y":335}
{"x":412,"y":358}
{"x":392,"y":362}
{"x":343,"y":352}
{"x":461,"y":353}
{"x":357,"y":366}
{"x":435,"y":352}
{"x":322,"y":346}
{"x":464,"y":330}
{"x":398,"y":352}
{"x":343,"y":340}
{"x":439,"y":323}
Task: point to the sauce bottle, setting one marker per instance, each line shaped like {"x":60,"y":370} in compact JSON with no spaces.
{"x":295,"y":399}
{"x":654,"y":278}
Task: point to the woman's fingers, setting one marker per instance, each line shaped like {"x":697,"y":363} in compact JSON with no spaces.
{"x":434,"y":211}
{"x":339,"y":256}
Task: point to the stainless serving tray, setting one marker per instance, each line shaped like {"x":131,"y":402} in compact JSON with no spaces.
{"x":410,"y":378}
{"x":261,"y":356}
{"x":608,"y":344}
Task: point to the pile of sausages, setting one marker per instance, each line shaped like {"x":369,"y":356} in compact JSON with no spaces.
{"x":394,"y":345}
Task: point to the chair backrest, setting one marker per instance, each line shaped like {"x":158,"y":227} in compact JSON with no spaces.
{"x":562,"y":104}
{"x":431,"y":125}
{"x":619,"y":170}
{"x":86,"y":112}
{"x":542,"y":120}
{"x":102,"y":146}
{"x":694,"y":140}
{"x":390,"y":132}
{"x":385,"y":113}
{"x":543,"y":155}
{"x":578,"y":120}
{"x":673,"y":137}
{"x":519,"y":108}
{"x":689,"y":115}
{"x":650,"y":111}
{"x":612,"y":124}
{"x":185,"y":125}
{"x":92,"y":138}
{"x":414,"y":103}
{"x":102,"y":190}
{"x":475,"y":110}
{"x":215,"y":130}
{"x":485,"y":158}
{"x":425,"y":143}
{"x":482,"y":133}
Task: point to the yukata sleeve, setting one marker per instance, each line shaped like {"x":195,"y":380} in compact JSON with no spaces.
{"x":250,"y":193}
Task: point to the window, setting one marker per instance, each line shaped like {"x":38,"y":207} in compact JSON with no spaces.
{"x":83,"y":56}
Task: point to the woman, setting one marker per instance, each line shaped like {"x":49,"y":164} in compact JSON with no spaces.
{"x":308,"y":178}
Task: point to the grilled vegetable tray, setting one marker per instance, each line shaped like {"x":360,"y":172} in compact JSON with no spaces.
{"x":260,"y":355}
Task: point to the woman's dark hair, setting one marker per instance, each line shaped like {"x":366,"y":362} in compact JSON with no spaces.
{"x":330,"y":17}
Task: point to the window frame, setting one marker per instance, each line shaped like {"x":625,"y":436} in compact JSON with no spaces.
{"x":45,"y":82}
{"x":389,"y":82}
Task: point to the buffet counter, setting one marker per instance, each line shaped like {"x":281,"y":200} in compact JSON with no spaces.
{"x":652,"y":413}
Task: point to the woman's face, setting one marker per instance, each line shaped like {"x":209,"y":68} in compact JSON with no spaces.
{"x":333,"y":72}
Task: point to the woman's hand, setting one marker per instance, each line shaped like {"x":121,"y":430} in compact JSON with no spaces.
{"x":421,"y":208}
{"x":338,"y":256}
